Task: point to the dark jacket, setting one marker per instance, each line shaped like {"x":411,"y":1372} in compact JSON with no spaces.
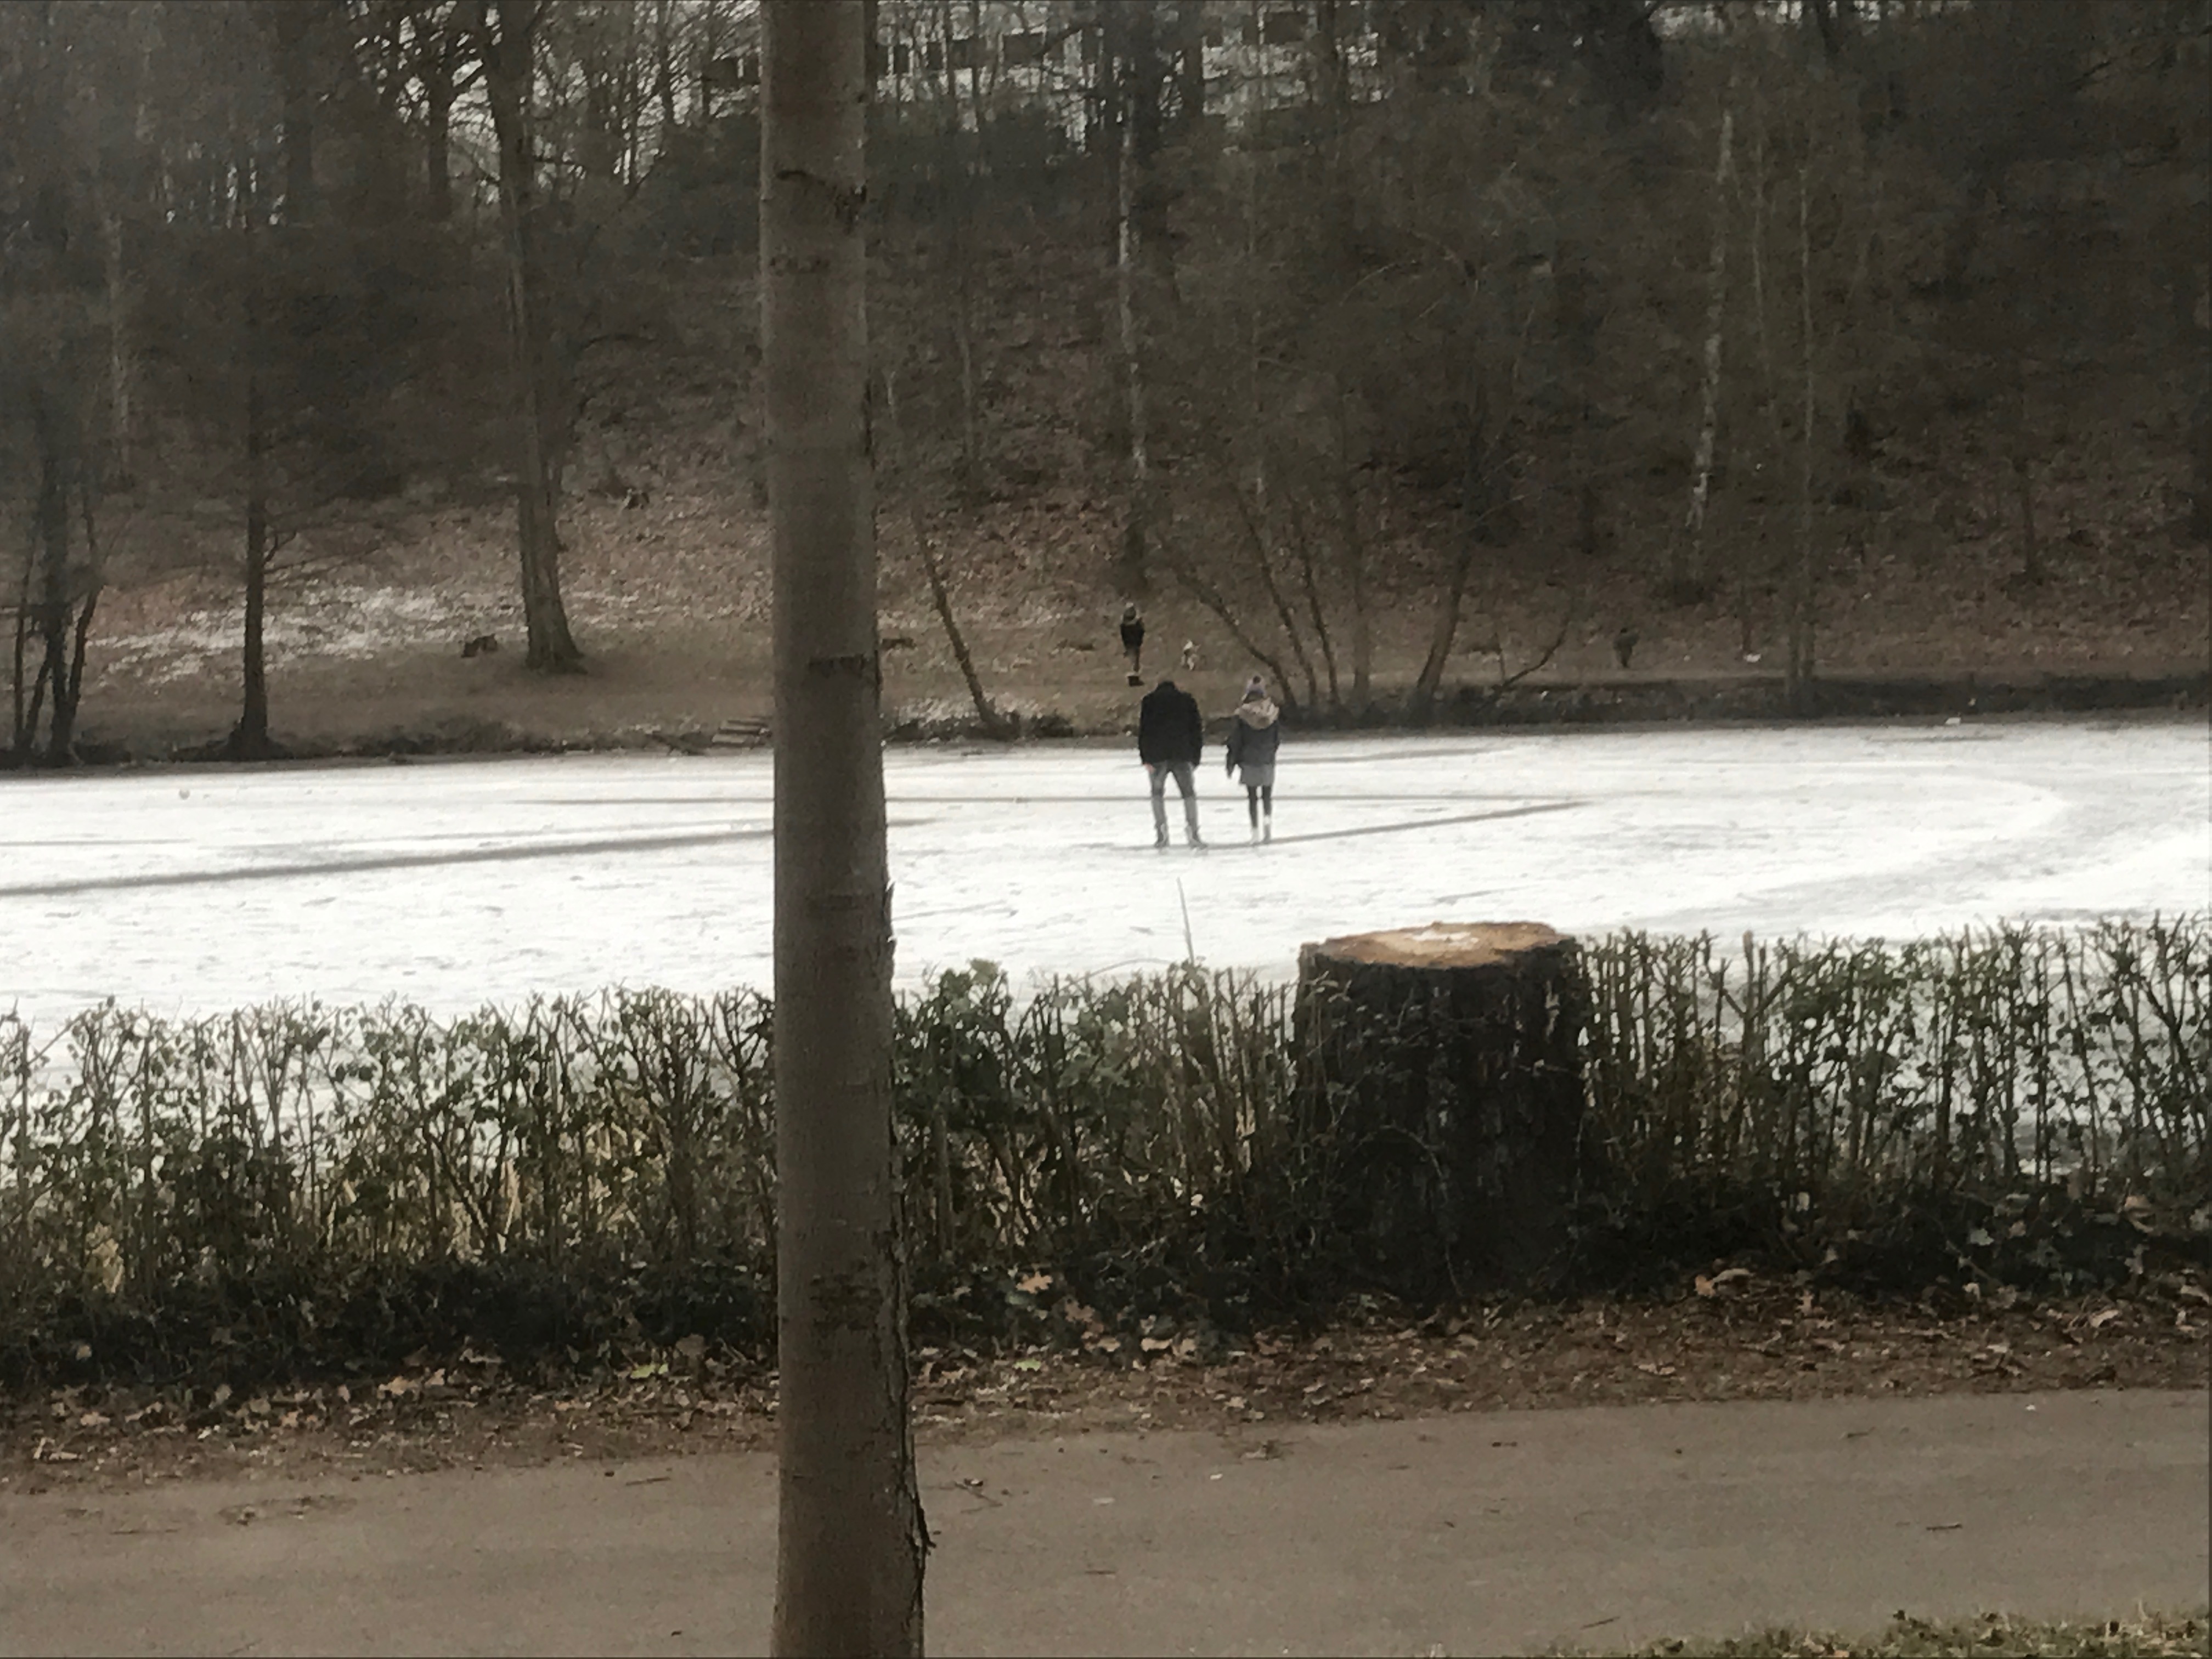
{"x":1169,"y":730}
{"x":1132,"y":633}
{"x":1255,"y":732}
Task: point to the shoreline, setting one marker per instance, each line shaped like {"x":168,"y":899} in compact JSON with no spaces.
{"x":1614,"y":703}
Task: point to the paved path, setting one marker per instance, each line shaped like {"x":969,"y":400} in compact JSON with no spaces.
{"x":1467,"y":1533}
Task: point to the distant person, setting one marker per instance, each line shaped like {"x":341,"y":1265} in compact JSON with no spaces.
{"x":1133,"y":642}
{"x":1255,"y":734}
{"x":1624,"y":643}
{"x":1170,"y":740}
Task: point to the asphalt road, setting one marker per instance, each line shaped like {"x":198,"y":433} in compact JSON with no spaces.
{"x":1495,"y":1533}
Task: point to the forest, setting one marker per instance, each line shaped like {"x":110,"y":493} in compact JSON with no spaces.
{"x":1347,"y":328}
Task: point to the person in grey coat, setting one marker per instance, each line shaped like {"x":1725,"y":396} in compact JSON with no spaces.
{"x":1255,"y":732}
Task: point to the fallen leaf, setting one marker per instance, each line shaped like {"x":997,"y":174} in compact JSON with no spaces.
{"x":91,"y":1420}
{"x":2098,"y":1320}
{"x":1155,"y":1344}
{"x":1033,"y":1364}
{"x":1035,"y":1283}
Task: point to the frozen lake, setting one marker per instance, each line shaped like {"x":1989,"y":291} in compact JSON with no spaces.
{"x":456,"y":883}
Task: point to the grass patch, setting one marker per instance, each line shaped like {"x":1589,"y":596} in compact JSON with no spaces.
{"x":1994,"y":1636}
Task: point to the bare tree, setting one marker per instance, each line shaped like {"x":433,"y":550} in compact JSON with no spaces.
{"x":1689,"y":562}
{"x":993,"y":724}
{"x":506,"y":32}
{"x":850,"y":1541}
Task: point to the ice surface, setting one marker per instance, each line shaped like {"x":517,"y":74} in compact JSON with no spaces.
{"x":458,"y":882}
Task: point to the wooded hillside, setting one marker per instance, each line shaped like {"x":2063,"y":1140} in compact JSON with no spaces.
{"x":1379,"y":346}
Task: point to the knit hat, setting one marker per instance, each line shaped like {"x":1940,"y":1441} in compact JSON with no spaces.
{"x":1255,"y":689}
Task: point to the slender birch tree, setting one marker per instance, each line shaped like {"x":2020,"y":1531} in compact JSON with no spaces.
{"x":850,"y":1540}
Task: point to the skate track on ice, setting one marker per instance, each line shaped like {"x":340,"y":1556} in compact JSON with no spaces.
{"x":453,"y":884}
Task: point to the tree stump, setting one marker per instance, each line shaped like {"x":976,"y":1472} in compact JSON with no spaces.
{"x":1442,"y":1098}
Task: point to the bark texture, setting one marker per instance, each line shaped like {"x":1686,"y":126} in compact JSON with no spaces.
{"x":850,"y":1540}
{"x":1443,"y":1075}
{"x":506,"y":30}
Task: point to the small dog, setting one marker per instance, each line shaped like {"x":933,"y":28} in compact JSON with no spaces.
{"x":1190,"y":653}
{"x":483,"y":645}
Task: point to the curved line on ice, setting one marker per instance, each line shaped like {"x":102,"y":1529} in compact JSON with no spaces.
{"x":379,"y":861}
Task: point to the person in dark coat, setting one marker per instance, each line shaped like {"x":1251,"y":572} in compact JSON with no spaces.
{"x":1255,"y":732}
{"x":1171,"y":741}
{"x":1133,"y":639}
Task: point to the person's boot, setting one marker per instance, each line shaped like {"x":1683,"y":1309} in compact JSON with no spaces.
{"x":1160,"y":838}
{"x":1268,"y":833}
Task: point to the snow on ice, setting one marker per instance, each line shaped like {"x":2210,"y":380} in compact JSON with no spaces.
{"x":453,"y":884}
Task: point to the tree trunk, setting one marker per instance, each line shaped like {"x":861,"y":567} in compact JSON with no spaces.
{"x":51,"y":603}
{"x":1262,"y":561}
{"x":291,"y":24}
{"x":850,"y":1540}
{"x":1431,"y":677}
{"x":69,"y":687}
{"x":69,"y":699}
{"x":995,"y":724}
{"x":1441,"y":1071}
{"x":438,"y":121}
{"x":19,"y":744}
{"x":2031,"y":552}
{"x":120,"y":375}
{"x":959,"y":213}
{"x":1474,"y":513}
{"x":1355,"y":564}
{"x":249,"y":739}
{"x":1133,"y":578}
{"x":507,"y":61}
{"x":1690,"y":566}
{"x":1798,"y":680}
{"x":664,"y":69}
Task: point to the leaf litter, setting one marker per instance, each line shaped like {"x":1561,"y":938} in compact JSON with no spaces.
{"x":1726,"y":1334}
